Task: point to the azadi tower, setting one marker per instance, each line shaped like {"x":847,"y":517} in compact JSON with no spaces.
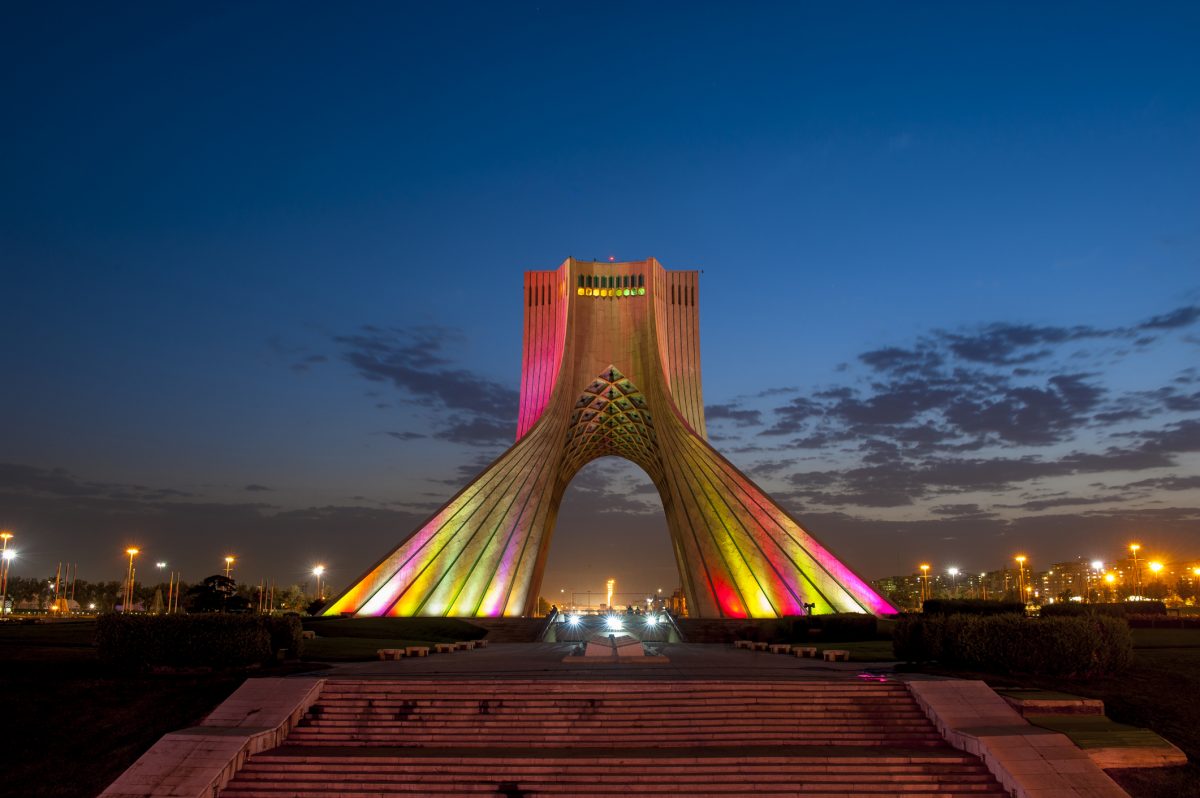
{"x":611,"y":366}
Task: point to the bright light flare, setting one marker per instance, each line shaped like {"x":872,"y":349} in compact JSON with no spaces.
{"x":614,"y":623}
{"x":10,"y":554}
{"x":573,"y":620}
{"x":1097,"y":565}
{"x":952,"y":571}
{"x":318,"y":570}
{"x":1155,"y":566}
{"x":651,"y":620}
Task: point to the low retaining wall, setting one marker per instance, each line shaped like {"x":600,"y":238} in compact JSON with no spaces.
{"x":197,"y":762}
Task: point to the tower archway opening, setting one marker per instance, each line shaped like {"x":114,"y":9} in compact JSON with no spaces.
{"x":611,"y":525}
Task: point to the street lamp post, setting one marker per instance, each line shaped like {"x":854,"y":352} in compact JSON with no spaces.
{"x":320,"y":569}
{"x":228,"y":565}
{"x":953,"y":581}
{"x":1020,"y":558}
{"x":132,"y":552}
{"x":925,"y":584}
{"x":5,"y":557}
{"x":1155,"y":567}
{"x":1137,"y":572}
{"x":1097,"y":567}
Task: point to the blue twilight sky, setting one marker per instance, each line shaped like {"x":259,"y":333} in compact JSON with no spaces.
{"x":261,"y":259}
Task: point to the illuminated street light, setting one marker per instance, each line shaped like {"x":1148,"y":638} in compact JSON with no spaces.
{"x":132,"y":552}
{"x":5,"y":559}
{"x":1020,"y":558}
{"x":925,"y":588}
{"x":613,"y":622}
{"x":953,"y":579}
{"x":320,"y":569}
{"x":229,"y":560}
{"x":1137,"y":573}
{"x":1097,"y":565}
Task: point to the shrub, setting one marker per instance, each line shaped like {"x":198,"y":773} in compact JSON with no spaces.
{"x":286,"y":633}
{"x":834,"y":627}
{"x":1013,"y":643}
{"x":1120,"y":609}
{"x":971,"y":607}
{"x":199,"y":640}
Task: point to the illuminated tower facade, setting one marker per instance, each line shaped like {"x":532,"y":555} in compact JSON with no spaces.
{"x":611,"y":366}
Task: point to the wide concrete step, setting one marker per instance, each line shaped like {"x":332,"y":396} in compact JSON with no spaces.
{"x":493,"y":721}
{"x":530,"y":776}
{"x":691,"y":790}
{"x":262,"y":767}
{"x":356,"y":758}
{"x":630,"y":702}
{"x":694,"y":789}
{"x":634,"y":689}
{"x":843,"y":688}
{"x":400,"y":741}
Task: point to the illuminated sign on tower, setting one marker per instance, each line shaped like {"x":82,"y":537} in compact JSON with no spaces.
{"x":611,"y":366}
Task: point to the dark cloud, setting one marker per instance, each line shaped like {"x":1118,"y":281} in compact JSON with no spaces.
{"x":478,"y":431}
{"x":1165,"y":483}
{"x":961,"y":511}
{"x":60,"y":482}
{"x":741,"y":416}
{"x":793,"y":415}
{"x":1180,"y":317}
{"x":255,"y":488}
{"x":1038,"y":505}
{"x":306,"y":363}
{"x":768,"y":468}
{"x":414,"y":361}
{"x":404,"y":436}
{"x":894,"y":481}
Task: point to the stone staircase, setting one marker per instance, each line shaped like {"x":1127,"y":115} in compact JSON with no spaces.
{"x":584,"y":738}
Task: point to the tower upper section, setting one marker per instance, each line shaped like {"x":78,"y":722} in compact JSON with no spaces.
{"x":587,"y":315}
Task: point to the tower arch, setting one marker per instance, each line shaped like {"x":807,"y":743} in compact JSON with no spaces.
{"x":610,"y":366}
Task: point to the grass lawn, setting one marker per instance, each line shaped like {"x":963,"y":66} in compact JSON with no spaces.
{"x":72,"y":724}
{"x":358,"y":639}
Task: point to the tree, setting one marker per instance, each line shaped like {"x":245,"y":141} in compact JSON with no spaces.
{"x":216,"y":593}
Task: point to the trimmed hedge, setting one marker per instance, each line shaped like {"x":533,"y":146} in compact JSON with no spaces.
{"x":828,"y":628}
{"x":1015,"y":644}
{"x":198,"y":640}
{"x":286,"y":633}
{"x":840,"y":626}
{"x":971,"y":607}
{"x":1121,"y":609}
